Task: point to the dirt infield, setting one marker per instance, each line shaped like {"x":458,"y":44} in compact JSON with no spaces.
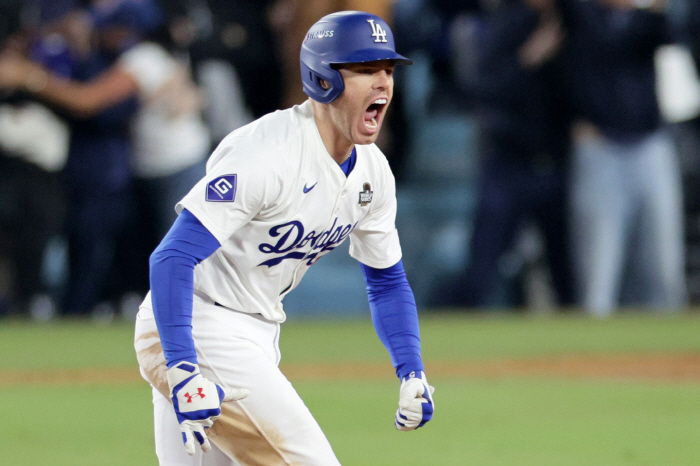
{"x":651,"y":367}
{"x":680,"y":368}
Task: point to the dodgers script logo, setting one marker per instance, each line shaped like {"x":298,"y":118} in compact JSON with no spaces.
{"x":378,"y":33}
{"x":292,"y":236}
{"x":222,"y":189}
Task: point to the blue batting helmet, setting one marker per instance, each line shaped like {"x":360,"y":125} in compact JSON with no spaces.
{"x":338,"y":38}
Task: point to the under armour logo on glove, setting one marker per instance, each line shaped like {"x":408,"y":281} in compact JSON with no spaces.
{"x":200,"y":393}
{"x":416,"y":404}
{"x":196,"y":410}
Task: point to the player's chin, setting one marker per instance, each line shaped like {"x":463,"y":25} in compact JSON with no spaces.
{"x":364,"y":140}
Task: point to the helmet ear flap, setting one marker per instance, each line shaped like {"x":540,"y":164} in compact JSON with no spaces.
{"x":322,"y":87}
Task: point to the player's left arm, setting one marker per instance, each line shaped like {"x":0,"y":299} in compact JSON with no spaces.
{"x":375,"y":244}
{"x":395,"y":318}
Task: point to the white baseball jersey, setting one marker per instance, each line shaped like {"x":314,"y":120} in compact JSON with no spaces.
{"x":276,"y":201}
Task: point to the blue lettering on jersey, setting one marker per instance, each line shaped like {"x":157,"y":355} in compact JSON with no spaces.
{"x":291,"y":236}
{"x":222,"y":189}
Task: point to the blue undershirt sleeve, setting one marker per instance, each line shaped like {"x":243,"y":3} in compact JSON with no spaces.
{"x":172,"y":284}
{"x":395,"y":316}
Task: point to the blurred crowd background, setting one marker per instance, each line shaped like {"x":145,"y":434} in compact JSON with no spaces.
{"x":546,"y":152}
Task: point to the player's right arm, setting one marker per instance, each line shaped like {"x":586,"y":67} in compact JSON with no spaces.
{"x":172,"y":283}
{"x":238,"y":184}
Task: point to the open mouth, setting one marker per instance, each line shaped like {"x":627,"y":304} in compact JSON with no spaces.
{"x":373,"y":111}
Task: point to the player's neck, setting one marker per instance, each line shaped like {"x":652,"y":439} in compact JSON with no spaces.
{"x":338,"y":146}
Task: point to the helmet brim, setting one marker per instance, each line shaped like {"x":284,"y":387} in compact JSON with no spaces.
{"x":370,"y":55}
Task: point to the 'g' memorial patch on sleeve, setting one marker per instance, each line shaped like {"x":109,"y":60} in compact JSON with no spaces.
{"x":222,"y":189}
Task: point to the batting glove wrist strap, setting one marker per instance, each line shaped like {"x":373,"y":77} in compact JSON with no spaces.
{"x":197,"y":402}
{"x":416,"y":403}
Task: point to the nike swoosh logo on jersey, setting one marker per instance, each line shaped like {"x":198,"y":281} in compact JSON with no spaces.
{"x":306,"y":190}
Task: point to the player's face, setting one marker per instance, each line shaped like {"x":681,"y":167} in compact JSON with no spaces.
{"x":359,"y":111}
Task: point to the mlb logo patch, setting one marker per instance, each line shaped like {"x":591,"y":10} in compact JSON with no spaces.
{"x":222,"y":189}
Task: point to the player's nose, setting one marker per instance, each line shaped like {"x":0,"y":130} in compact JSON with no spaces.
{"x":383,"y":79}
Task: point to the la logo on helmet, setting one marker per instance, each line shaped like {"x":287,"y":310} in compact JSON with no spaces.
{"x":378,"y":33}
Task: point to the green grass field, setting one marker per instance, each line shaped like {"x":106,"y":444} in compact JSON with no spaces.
{"x":481,"y":419}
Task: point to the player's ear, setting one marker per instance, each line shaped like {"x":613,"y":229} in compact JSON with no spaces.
{"x":324,"y":84}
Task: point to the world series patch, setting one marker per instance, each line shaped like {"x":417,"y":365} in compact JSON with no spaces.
{"x":222,"y":189}
{"x":365,"y":194}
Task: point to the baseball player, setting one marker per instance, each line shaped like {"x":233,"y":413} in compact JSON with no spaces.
{"x":279,"y":194}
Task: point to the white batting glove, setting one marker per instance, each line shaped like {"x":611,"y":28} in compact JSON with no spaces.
{"x":197,"y":402}
{"x":415,"y":402}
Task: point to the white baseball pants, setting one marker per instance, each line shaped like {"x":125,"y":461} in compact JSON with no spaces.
{"x":271,"y":427}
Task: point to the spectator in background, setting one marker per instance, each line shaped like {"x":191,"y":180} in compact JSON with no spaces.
{"x":524,"y":148}
{"x":97,"y":172}
{"x":162,"y":139}
{"x":35,"y":141}
{"x":33,"y":150}
{"x":626,"y":193}
{"x":171,"y":141}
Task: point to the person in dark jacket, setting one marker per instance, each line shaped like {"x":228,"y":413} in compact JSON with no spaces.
{"x":626,"y":192}
{"x":525,"y":144}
